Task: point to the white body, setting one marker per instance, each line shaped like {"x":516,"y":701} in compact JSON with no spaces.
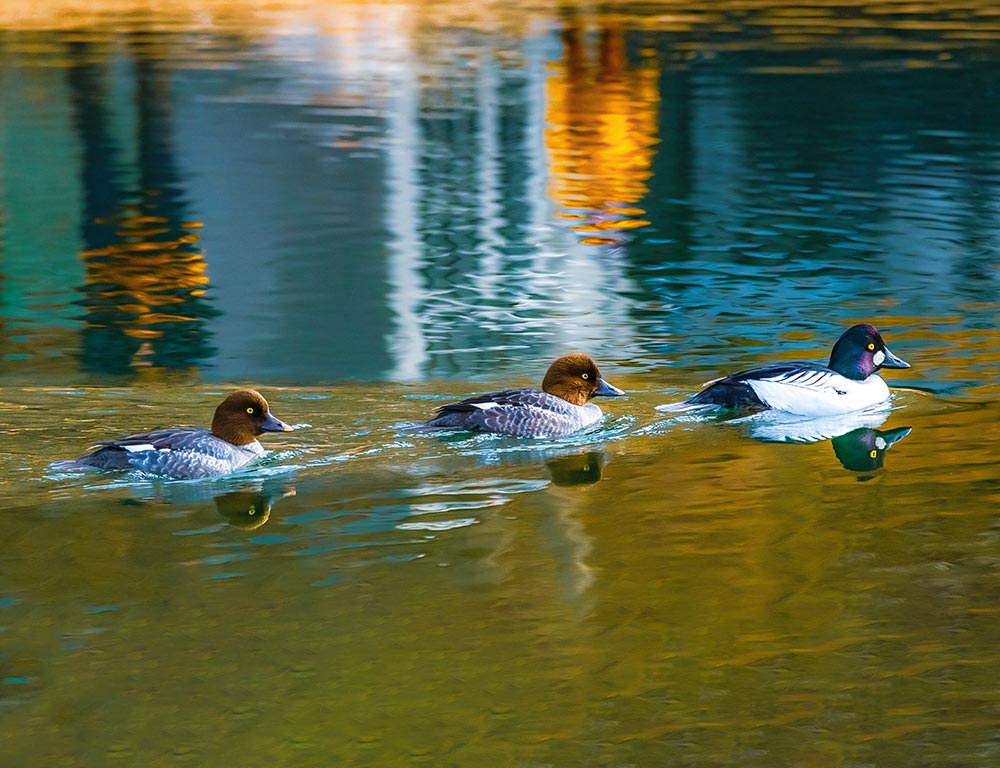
{"x":828,"y":395}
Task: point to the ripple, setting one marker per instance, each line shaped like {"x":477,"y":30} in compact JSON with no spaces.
{"x":438,"y":525}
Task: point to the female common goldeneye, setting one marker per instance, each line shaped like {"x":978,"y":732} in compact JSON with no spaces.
{"x":848,"y":383}
{"x":188,"y":452}
{"x":562,"y":405}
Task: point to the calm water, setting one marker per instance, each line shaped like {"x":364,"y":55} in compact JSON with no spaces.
{"x":366,"y":210}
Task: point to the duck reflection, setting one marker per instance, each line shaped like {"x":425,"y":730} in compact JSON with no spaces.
{"x":863,"y":449}
{"x":857,"y":441}
{"x":559,"y":513}
{"x":576,"y":469}
{"x":246,"y":504}
{"x":249,"y":509}
{"x":565,"y":466}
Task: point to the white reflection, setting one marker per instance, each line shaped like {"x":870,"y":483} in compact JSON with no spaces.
{"x":407,"y":343}
{"x":781,"y":427}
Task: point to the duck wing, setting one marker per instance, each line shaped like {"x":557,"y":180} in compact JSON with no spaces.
{"x":172,"y":439}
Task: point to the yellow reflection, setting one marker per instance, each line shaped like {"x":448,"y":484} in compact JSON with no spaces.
{"x":601,"y":118}
{"x":146,"y":286}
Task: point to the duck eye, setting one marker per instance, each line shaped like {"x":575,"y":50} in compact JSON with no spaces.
{"x":252,"y":510}
{"x":584,"y":375}
{"x":250,"y":409}
{"x":873,"y":454}
{"x":871,"y":347}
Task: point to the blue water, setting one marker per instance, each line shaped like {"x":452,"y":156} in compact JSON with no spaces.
{"x":310,"y":209}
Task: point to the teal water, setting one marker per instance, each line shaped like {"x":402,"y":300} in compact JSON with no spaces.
{"x":367,"y":211}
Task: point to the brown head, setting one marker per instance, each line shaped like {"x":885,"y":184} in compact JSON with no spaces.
{"x":244,"y":415}
{"x":575,"y":379}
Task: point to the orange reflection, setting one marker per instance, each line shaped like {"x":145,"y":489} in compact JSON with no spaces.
{"x":601,"y":117}
{"x":145,"y":274}
{"x":146,"y":287}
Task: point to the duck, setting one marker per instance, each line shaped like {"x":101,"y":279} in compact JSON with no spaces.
{"x":562,"y":406}
{"x":189,"y":452}
{"x":850,"y":382}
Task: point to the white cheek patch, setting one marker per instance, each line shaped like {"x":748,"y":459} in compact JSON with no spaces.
{"x":485,"y":406}
{"x":138,"y":448}
{"x":880,"y":443}
{"x":879,"y":357}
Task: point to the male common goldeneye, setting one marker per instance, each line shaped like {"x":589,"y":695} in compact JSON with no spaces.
{"x":848,"y":383}
{"x":562,"y":405}
{"x":863,"y":450}
{"x":188,"y":452}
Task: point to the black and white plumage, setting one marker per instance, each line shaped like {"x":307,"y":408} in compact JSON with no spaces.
{"x":189,"y":452}
{"x":561,"y":407}
{"x":848,"y":383}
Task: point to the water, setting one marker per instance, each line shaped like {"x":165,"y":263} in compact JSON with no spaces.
{"x":366,"y":211}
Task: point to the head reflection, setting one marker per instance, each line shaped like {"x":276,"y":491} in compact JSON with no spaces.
{"x":576,"y":469}
{"x":249,"y":509}
{"x":565,"y":466}
{"x":864,"y":449}
{"x":243,"y":504}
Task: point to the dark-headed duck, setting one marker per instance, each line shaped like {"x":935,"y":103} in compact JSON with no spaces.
{"x":849,"y":383}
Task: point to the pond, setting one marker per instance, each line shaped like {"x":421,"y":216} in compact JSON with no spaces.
{"x":369,"y":210}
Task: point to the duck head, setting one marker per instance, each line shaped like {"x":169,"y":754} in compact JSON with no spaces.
{"x":575,"y":379}
{"x":860,"y":351}
{"x":244,"y":415}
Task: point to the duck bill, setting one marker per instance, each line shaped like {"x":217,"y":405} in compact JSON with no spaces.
{"x":891,"y":361}
{"x":893,"y":436}
{"x":272,"y":424}
{"x":607,"y":390}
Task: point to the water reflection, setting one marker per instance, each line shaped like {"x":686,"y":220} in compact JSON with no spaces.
{"x":250,"y":508}
{"x":566,"y":466}
{"x":146,"y":276}
{"x":602,"y":113}
{"x":857,"y":442}
{"x":489,"y":191}
{"x":863,"y":450}
{"x":243,"y":503}
{"x":577,"y":469}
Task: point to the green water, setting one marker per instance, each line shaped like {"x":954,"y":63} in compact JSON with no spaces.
{"x":657,"y":592}
{"x":366,"y":211}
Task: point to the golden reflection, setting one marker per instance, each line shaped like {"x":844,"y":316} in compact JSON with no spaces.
{"x":145,"y":274}
{"x":145,"y":287}
{"x":601,"y":118}
{"x":714,"y":26}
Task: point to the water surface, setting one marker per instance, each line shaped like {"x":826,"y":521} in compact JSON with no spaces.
{"x":368,"y":210}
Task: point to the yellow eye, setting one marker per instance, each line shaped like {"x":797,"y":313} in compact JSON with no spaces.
{"x":252,"y":510}
{"x":871,"y":347}
{"x":585,"y":375}
{"x":873,"y":454}
{"x":250,"y":410}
